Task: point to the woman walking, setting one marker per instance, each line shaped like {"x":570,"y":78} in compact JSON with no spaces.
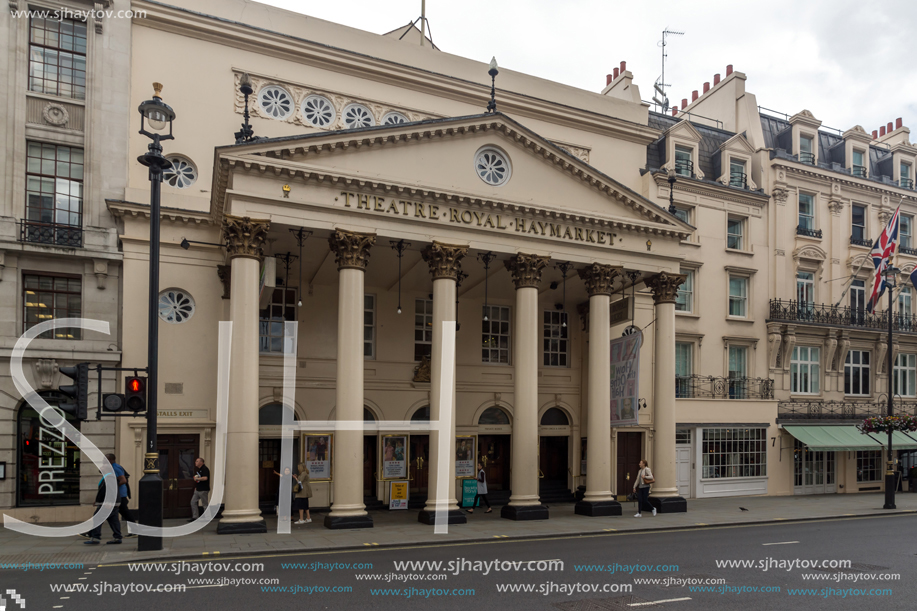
{"x":301,"y":502}
{"x":482,"y":491}
{"x":642,"y":488}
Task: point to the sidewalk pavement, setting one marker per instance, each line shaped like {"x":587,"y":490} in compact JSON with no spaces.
{"x":401,"y":528}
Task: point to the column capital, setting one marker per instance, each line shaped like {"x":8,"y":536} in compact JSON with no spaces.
{"x":244,"y":236}
{"x":445,"y":260}
{"x":526,"y":269}
{"x":665,"y":286}
{"x":351,"y":249}
{"x":599,"y":278}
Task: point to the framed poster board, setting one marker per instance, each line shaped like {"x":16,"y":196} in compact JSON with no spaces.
{"x":469,"y":491}
{"x":625,"y":377}
{"x":394,"y":457}
{"x":465,"y":452}
{"x":318,"y":449}
{"x":398,"y":495}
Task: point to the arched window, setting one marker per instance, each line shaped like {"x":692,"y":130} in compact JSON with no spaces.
{"x":421,"y":415}
{"x":49,"y":463}
{"x":271,"y":415}
{"x":368,"y":416}
{"x":555,"y":417}
{"x":493,"y":415}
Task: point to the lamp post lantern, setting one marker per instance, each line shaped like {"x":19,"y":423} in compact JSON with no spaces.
{"x":157,"y":116}
{"x":890,"y":484}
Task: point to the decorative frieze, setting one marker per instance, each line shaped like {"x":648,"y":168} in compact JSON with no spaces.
{"x":665,"y":286}
{"x":445,"y":260}
{"x":351,"y":249}
{"x":599,"y":279}
{"x":244,"y":236}
{"x":526,"y":269}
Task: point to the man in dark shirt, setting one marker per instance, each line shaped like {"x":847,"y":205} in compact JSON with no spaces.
{"x":201,"y":487}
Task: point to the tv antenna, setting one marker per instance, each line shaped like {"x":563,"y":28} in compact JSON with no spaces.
{"x":660,"y":84}
{"x":424,"y":24}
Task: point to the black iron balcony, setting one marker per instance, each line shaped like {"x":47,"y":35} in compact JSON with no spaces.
{"x":906,"y":250}
{"x":840,"y":410}
{"x":807,"y":158}
{"x":840,"y":316}
{"x":684,"y":167}
{"x":859,"y":171}
{"x":738,"y":179}
{"x":906,"y":183}
{"x":808,"y":231}
{"x":66,"y":236}
{"x":860,"y":242}
{"x":712,"y":387}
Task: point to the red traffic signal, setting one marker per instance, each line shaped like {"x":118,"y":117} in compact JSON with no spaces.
{"x":135,"y":393}
{"x":134,"y":385}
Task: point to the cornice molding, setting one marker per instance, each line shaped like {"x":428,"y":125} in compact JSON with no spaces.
{"x":827,"y":177}
{"x":716,"y":190}
{"x":125,"y":209}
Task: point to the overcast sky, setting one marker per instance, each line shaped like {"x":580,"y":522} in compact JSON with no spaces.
{"x":848,"y":61}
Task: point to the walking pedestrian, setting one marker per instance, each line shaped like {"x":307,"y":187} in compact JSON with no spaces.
{"x":642,"y":488}
{"x":95,"y":535}
{"x":303,"y":493}
{"x":201,"y":487}
{"x":482,"y":491}
{"x":283,"y":510}
{"x":124,"y":491}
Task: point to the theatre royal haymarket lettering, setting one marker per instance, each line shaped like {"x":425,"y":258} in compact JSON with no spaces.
{"x":472,"y":218}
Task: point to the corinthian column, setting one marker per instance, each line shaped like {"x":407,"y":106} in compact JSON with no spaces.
{"x":525,"y":503}
{"x":665,"y":491}
{"x":598,"y":500}
{"x":351,"y":253}
{"x":445,"y":264}
{"x":243,"y":237}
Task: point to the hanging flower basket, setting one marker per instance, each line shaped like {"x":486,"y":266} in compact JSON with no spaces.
{"x":884,"y":424}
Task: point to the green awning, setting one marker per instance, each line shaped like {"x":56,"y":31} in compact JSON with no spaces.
{"x":900,"y":441}
{"x":841,"y":438}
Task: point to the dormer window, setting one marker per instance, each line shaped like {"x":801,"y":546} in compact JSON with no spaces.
{"x":806,"y":150}
{"x":684,"y":164}
{"x":737,"y":177}
{"x":858,"y":167}
{"x":905,"y":181}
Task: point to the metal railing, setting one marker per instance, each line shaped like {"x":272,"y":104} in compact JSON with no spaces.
{"x":859,"y":171}
{"x":840,"y":410}
{"x":839,"y":316}
{"x":908,"y":251}
{"x":807,"y":231}
{"x":738,"y":179}
{"x":34,"y":232}
{"x":712,"y":387}
{"x":808,"y":158}
{"x":684,"y":167}
{"x":906,"y":183}
{"x":860,"y":241}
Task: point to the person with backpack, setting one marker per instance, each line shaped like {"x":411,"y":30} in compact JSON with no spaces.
{"x":642,"y":487}
{"x":114,"y":522}
{"x":124,"y":491}
{"x":482,"y":491}
{"x":302,"y":491}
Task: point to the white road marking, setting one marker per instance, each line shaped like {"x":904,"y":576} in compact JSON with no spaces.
{"x":781,"y":543}
{"x":656,"y":602}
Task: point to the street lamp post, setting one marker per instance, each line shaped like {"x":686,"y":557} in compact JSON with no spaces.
{"x":158,"y":116}
{"x":890,"y":483}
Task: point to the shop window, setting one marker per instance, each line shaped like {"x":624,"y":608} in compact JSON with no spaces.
{"x":49,"y":463}
{"x":734,"y":452}
{"x":869,"y":466}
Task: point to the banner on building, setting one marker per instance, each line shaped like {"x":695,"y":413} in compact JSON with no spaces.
{"x":625,"y":378}
{"x":464,"y":456}
{"x":318,"y":456}
{"x":398,"y":495}
{"x":394,"y":457}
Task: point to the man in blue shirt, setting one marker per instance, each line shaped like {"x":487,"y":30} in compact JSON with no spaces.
{"x":96,"y":533}
{"x":124,"y":491}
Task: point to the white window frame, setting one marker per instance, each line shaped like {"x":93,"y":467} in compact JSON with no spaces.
{"x":423,"y":328}
{"x":739,"y":299}
{"x":369,"y":328}
{"x":858,"y":372}
{"x":905,"y":303}
{"x":740,"y":452}
{"x":493,"y":342}
{"x":687,"y":290}
{"x":813,"y":147}
{"x":805,"y":370}
{"x":740,"y":161}
{"x":681,"y":148}
{"x":905,"y":375}
{"x":741,"y":222}
{"x":285,"y":292}
{"x":683,"y":386}
{"x":555,"y":334}
{"x":906,"y":238}
{"x":800,"y":215}
{"x":870,"y":462}
{"x":738,"y":389}
{"x":805,"y":288}
{"x":854,"y":165}
{"x":865,"y":221}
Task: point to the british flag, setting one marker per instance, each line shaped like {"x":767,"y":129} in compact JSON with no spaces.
{"x":881,"y":254}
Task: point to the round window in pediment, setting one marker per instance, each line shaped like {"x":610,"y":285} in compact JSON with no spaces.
{"x":492,"y":166}
{"x":318,"y":111}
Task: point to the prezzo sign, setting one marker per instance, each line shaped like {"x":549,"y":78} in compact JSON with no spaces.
{"x":470,"y":218}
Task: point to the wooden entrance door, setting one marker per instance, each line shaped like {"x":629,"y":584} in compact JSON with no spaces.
{"x":553,"y":461}
{"x":369,"y":465}
{"x":420,"y":464}
{"x":269,"y":451}
{"x":629,"y":449}
{"x":177,"y":454}
{"x":495,"y":453}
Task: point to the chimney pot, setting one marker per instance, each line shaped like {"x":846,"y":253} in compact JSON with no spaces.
{"x":694,"y":95}
{"x":706,"y":87}
{"x":899,"y":122}
{"x":889,"y":129}
{"x":728,"y":69}
{"x":623,"y":67}
{"x":684,"y":103}
{"x":674,"y":110}
{"x":617,"y":72}
{"x":608,"y":79}
{"x":875,"y":134}
{"x":882,"y":131}
{"x":716,"y":80}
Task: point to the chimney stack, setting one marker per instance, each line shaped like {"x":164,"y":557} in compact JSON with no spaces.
{"x":882,"y":131}
{"x":617,"y":72}
{"x":674,"y":110}
{"x":623,"y":67}
{"x":716,"y":79}
{"x":608,"y":79}
{"x":899,"y":122}
{"x":889,"y":129}
{"x":706,"y":87}
{"x":694,"y":95}
{"x":684,"y":103}
{"x":875,"y":134}
{"x":728,"y":69}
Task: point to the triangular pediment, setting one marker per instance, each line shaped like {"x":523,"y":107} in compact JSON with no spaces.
{"x":439,"y":157}
{"x":684,"y":129}
{"x":738,"y":143}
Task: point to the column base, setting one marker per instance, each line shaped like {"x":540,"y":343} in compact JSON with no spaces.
{"x":524,"y":512}
{"x":334,"y":522}
{"x":453,"y":516}
{"x":242,"y":528}
{"x":597,"y":509}
{"x":669,"y":504}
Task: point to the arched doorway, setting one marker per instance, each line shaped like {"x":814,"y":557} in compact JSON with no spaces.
{"x":270,"y":421}
{"x":494,"y":435}
{"x":420,"y":462}
{"x":553,"y":456}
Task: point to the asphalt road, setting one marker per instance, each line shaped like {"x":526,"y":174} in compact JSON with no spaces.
{"x":874,"y":547}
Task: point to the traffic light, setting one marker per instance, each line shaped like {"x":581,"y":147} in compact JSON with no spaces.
{"x":135,"y":393}
{"x":78,"y":391}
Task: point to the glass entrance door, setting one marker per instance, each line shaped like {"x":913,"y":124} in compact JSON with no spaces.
{"x":813,"y":472}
